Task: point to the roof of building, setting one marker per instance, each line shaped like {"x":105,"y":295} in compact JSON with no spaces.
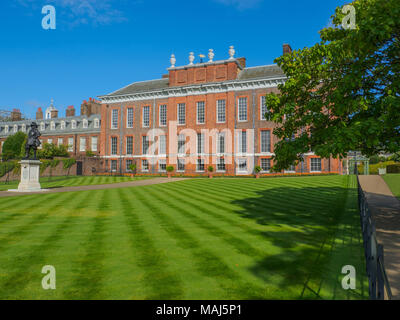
{"x":270,"y":71}
{"x":142,"y":86}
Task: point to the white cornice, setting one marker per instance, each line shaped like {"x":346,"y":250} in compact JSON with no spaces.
{"x":193,"y":90}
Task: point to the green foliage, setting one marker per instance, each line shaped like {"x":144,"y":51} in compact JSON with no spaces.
{"x":44,"y":164}
{"x":68,"y":163}
{"x":132,"y":167}
{"x":374,"y":168}
{"x":374,"y":159}
{"x":50,"y":150}
{"x":343,"y":93}
{"x":393,"y":168}
{"x":169,"y":169}
{"x":6,"y":167}
{"x":257,"y":169}
{"x":13,"y":145}
{"x":89,"y":153}
{"x":210,"y":169}
{"x":395,"y":157}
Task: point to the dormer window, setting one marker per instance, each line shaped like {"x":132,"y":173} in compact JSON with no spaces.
{"x":85,"y":123}
{"x":62,"y":125}
{"x":96,"y":123}
{"x":15,"y":128}
{"x":73,"y":124}
{"x":6,"y":129}
{"x":42,"y":126}
{"x":52,"y":125}
{"x":23,"y":128}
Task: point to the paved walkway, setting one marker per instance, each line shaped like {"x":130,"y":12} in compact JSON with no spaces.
{"x":385,"y":209}
{"x":127,"y":184}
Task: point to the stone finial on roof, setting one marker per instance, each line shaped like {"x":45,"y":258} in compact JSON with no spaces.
{"x":191,"y":57}
{"x":172,"y":60}
{"x":210,"y":55}
{"x":231,"y":52}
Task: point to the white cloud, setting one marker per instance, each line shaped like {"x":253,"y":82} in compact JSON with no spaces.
{"x":240,"y":4}
{"x":77,"y":12}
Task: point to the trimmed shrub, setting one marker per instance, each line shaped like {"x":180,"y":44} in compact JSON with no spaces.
{"x":393,"y":168}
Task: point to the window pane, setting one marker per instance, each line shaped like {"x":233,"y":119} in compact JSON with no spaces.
{"x":163,"y":115}
{"x":265,"y":141}
{"x":129,"y":145}
{"x":114,"y":146}
{"x":163,"y":145}
{"x":129,"y":118}
{"x":242,"y":109}
{"x":114,"y":119}
{"x":200,"y":112}
{"x":146,"y":116}
{"x":221,"y":111}
{"x":181,"y":113}
{"x":266,"y":164}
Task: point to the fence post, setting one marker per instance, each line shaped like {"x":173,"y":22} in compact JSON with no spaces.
{"x":380,"y":280}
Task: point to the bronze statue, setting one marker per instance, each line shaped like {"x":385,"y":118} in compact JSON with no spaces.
{"x":33,"y":141}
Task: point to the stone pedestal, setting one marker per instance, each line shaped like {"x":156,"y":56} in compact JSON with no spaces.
{"x":29,"y":177}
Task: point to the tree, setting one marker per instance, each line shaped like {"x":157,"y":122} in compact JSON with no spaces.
{"x":13,"y":145}
{"x":50,"y":150}
{"x":343,"y":93}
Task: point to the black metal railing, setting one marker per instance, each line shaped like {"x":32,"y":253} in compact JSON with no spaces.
{"x":374,"y":253}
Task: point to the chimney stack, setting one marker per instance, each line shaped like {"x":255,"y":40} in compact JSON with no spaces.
{"x":70,"y":112}
{"x":54,"y":114}
{"x":287,"y":48}
{"x":16,"y":115}
{"x":39,"y":114}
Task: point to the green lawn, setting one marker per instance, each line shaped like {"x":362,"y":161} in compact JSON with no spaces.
{"x":56,"y":182}
{"x":282,"y":238}
{"x":393,"y":181}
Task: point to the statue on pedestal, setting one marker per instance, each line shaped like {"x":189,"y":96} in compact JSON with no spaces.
{"x":33,"y":141}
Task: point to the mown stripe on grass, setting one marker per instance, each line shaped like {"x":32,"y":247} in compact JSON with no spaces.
{"x":28,"y":268}
{"x":207,"y":263}
{"x":161,"y":283}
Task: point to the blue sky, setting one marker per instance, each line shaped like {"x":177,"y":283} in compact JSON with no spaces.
{"x":101,"y":45}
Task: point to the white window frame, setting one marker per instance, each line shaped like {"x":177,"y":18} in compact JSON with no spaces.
{"x":161,"y":115}
{"x":238,"y":166}
{"x":70,"y":145}
{"x":262,"y":106}
{"x":239,"y":108}
{"x":179,"y":114}
{"x":182,"y":137}
{"x":82,"y":146}
{"x":58,"y":141}
{"x":114,"y":118}
{"x":129,"y":117}
{"x":6,"y":129}
{"x":262,"y":169}
{"x":148,"y":165}
{"x":268,"y":142}
{"x":162,"y":162}
{"x":200,"y":119}
{"x":197,"y":165}
{"x":42,"y":126}
{"x":162,"y":145}
{"x":23,"y":128}
{"x":62,"y":125}
{"x":111,"y":165}
{"x":147,"y":114}
{"x":220,"y":105}
{"x":113,"y":151}
{"x":73,"y":124}
{"x":311,"y":170}
{"x":96,"y":123}
{"x":218,"y":163}
{"x":182,"y":160}
{"x":200,"y":143}
{"x":85,"y":123}
{"x":15,"y":128}
{"x":93,"y":146}
{"x":52,"y":125}
{"x":219,"y":136}
{"x":240,"y":142}
{"x":126,"y":145}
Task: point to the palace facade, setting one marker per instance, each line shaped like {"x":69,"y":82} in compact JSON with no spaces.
{"x":196,"y":116}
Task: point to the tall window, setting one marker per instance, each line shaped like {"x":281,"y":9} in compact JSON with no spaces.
{"x":113,"y":165}
{"x":145,"y":165}
{"x":82,"y":144}
{"x":181,"y":165}
{"x":128,"y":165}
{"x":220,"y":164}
{"x":242,"y":109}
{"x":181,"y":113}
{"x":163,"y":115}
{"x":60,"y":141}
{"x":316,"y":165}
{"x":263,"y":108}
{"x":265,"y":141}
{"x":163,"y":145}
{"x":221,"y":142}
{"x":70,"y":144}
{"x":145,"y":144}
{"x":162,"y":165}
{"x":200,"y":165}
{"x":265,"y":164}
{"x":94,"y":144}
{"x":201,"y":112}
{"x":114,"y":145}
{"x":200,"y":143}
{"x":221,"y":115}
{"x":242,"y":167}
{"x":242,"y":142}
{"x":146,"y":117}
{"x":181,"y":144}
{"x":6,"y":128}
{"x":129,"y":118}
{"x":129,"y":145}
{"x":15,"y":128}
{"x":49,"y":141}
{"x":114,"y":119}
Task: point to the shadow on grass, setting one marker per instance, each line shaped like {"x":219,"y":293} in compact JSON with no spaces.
{"x":317,"y":231}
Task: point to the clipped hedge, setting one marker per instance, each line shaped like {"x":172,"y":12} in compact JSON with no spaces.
{"x":393,"y":168}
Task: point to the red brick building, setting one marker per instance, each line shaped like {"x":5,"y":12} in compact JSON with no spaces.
{"x":196,"y":116}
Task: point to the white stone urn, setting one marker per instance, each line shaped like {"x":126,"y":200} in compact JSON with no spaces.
{"x":191,"y":57}
{"x":211,"y":55}
{"x":231,"y":52}
{"x":172,"y":60}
